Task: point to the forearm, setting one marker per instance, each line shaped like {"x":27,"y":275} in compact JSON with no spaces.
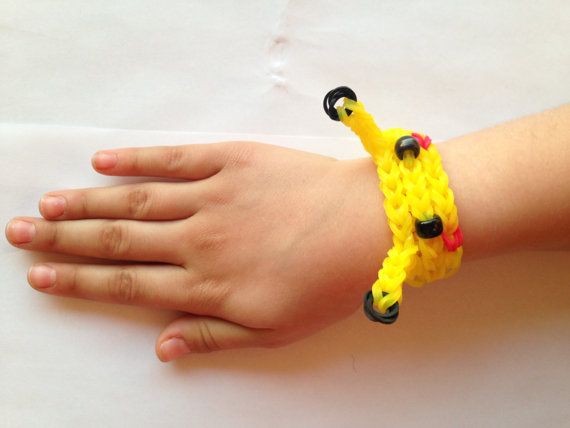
{"x":512,"y":184}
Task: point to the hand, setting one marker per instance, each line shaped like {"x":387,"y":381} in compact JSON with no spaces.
{"x":260,"y":245}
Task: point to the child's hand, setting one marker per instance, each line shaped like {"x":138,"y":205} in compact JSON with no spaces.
{"x":262,"y":245}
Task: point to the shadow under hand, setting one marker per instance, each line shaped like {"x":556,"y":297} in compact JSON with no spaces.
{"x":487,"y":302}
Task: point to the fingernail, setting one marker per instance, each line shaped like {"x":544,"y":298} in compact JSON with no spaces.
{"x":20,"y":232}
{"x":41,"y":276}
{"x":173,"y":348}
{"x":103,"y":160}
{"x":53,"y":206}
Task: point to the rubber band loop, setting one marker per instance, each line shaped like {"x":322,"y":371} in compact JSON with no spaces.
{"x":389,"y":317}
{"x":424,"y":140}
{"x":456,"y":240}
{"x":332,"y":97}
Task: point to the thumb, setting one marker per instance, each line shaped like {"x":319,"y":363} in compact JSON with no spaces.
{"x":195,"y":334}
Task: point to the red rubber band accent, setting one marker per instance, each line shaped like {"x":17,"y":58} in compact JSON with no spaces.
{"x":424,"y":141}
{"x":455,"y":241}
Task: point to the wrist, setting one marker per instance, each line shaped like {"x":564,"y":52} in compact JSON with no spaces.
{"x":367,"y":228}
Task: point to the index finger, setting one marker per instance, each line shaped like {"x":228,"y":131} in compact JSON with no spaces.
{"x":191,"y":162}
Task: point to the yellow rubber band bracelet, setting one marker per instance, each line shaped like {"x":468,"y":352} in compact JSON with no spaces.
{"x":428,"y":243}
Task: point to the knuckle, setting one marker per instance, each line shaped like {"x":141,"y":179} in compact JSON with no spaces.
{"x":122,"y":286}
{"x":138,"y":205}
{"x":114,"y":240}
{"x":241,"y":154}
{"x":134,"y":159}
{"x":220,"y":196}
{"x":209,"y":241}
{"x":52,"y":240}
{"x":174,"y":158}
{"x":72,"y":284}
{"x":84,"y":204}
{"x":207,"y":295}
{"x":205,"y":340}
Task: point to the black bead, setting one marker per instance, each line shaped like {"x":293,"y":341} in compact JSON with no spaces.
{"x":407,"y":143}
{"x":429,"y":228}
{"x":372,"y":314}
{"x":333,"y":96}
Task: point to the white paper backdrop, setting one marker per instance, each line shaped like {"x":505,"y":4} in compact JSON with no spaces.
{"x":74,"y":72}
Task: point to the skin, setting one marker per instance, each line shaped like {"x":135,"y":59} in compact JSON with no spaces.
{"x":262,"y":245}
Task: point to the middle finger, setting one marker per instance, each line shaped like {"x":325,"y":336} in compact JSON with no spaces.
{"x":142,"y":201}
{"x":149,"y":241}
